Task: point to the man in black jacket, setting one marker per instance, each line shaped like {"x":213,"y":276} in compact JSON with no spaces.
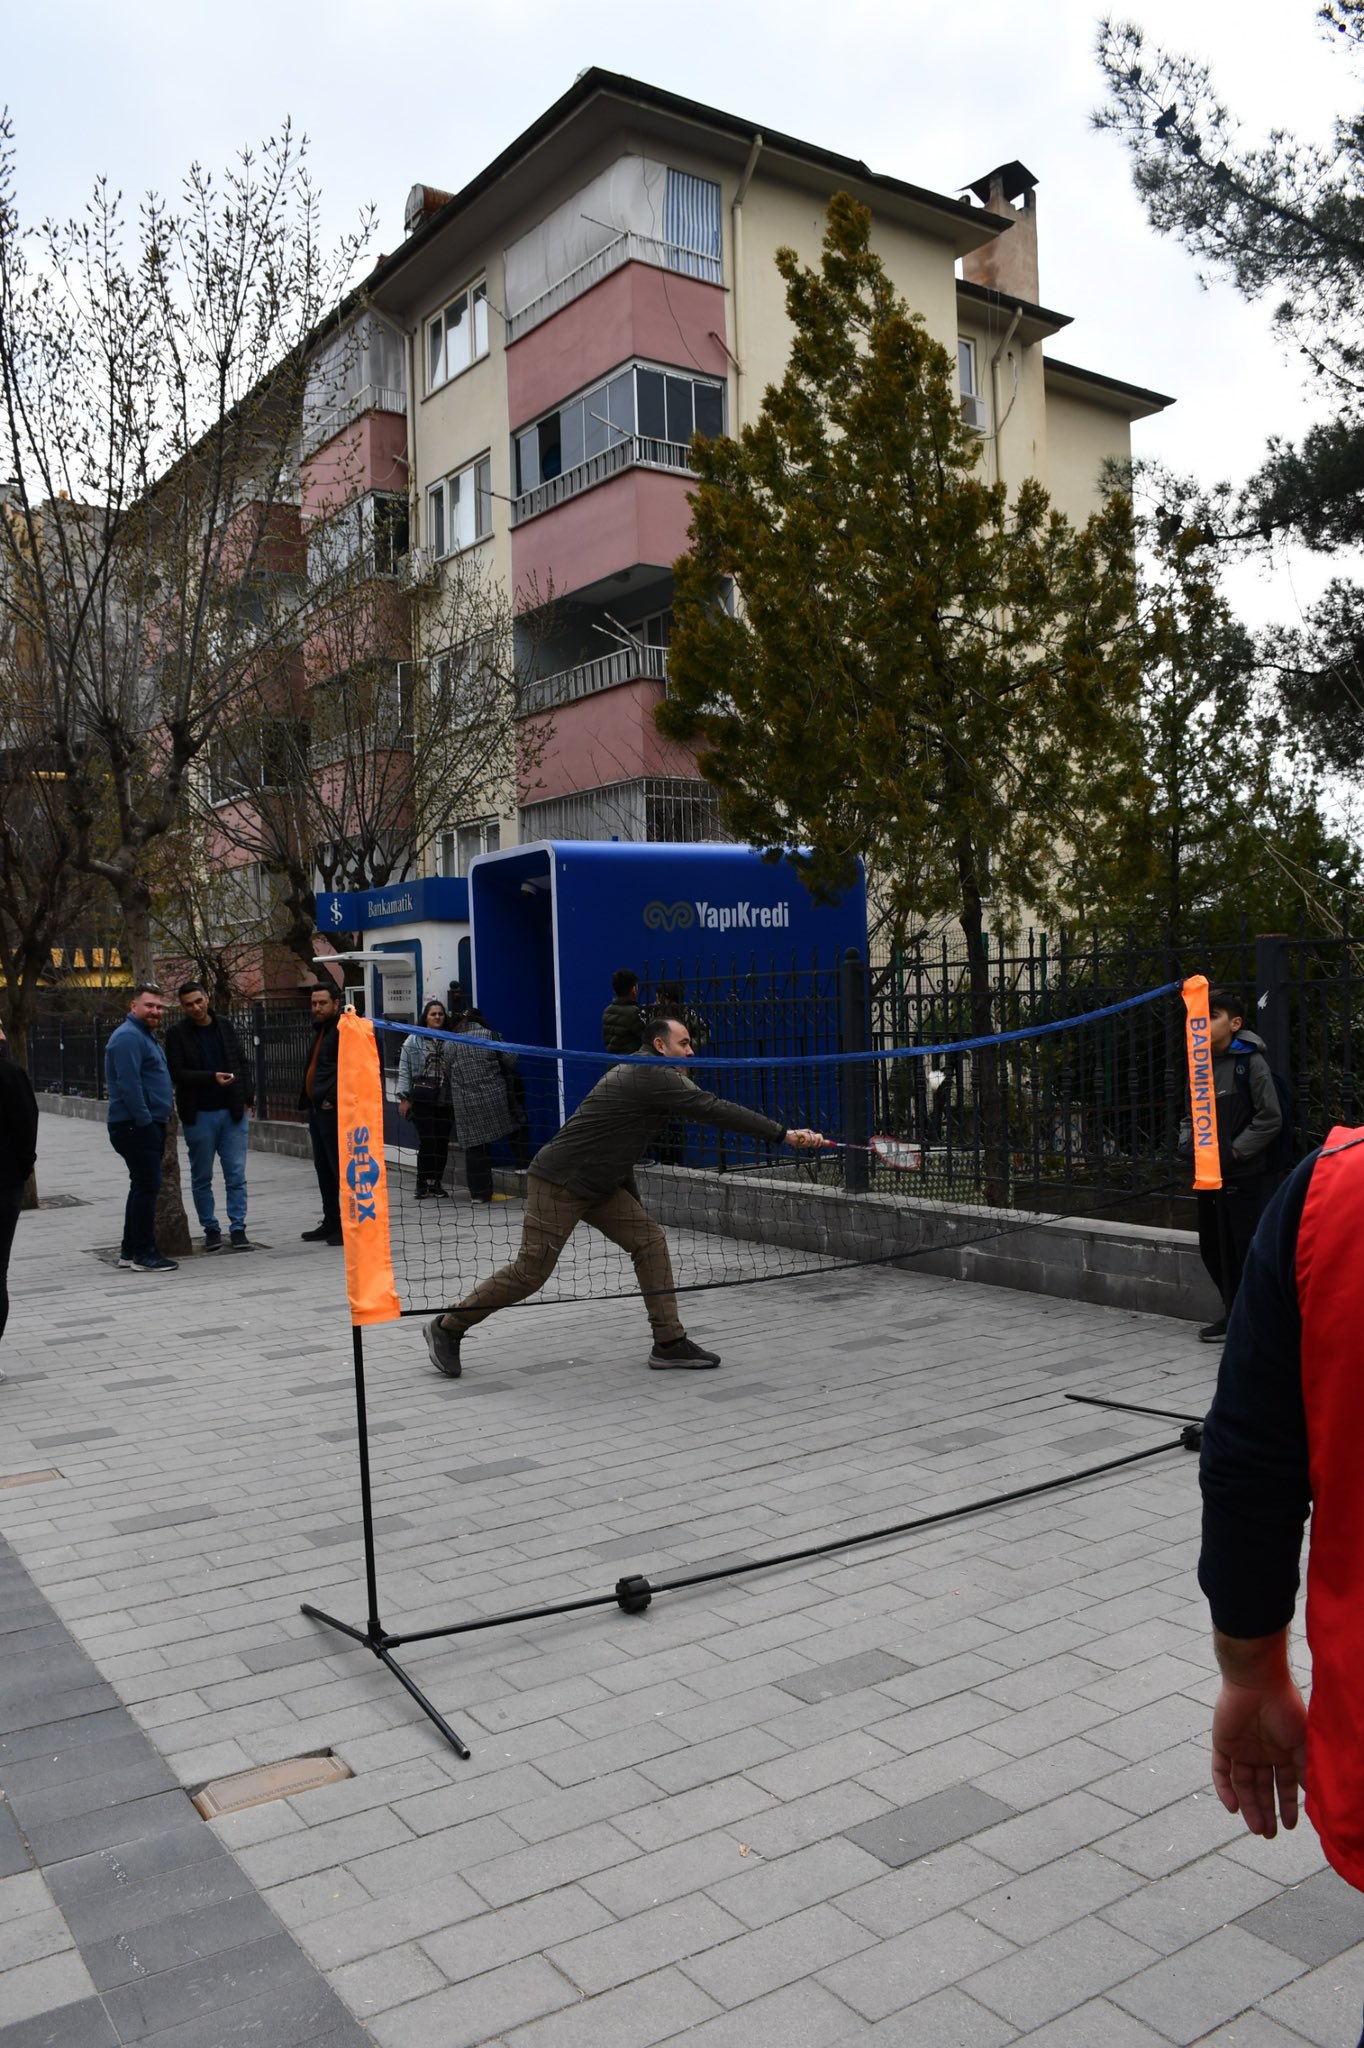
{"x":213,"y":1093}
{"x":586,"y":1175}
{"x":318,"y":1097}
{"x":18,"y":1151}
{"x":622,"y":1021}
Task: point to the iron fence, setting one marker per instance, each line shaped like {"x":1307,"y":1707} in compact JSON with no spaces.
{"x":1082,"y":1120}
{"x":66,"y":1055}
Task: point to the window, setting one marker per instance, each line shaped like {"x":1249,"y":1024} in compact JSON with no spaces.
{"x":254,"y":758}
{"x":361,"y":370}
{"x":461,"y":843}
{"x":457,"y":335}
{"x":460,"y":509}
{"x":465,"y":684}
{"x":972,"y":401}
{"x":636,"y":402}
{"x":691,"y":224}
{"x":366,"y":538}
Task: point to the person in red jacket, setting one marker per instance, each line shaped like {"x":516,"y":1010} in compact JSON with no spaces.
{"x":1281,"y":1439}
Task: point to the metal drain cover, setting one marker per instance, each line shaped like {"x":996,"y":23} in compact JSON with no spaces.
{"x":269,"y":1781}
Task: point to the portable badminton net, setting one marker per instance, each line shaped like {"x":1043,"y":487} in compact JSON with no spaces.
{"x":439,"y":1133}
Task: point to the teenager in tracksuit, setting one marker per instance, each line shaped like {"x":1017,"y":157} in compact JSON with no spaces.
{"x":1283,"y":1437}
{"x":1249,"y":1119}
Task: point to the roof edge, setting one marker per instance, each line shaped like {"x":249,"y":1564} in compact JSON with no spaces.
{"x":1145,"y":402}
{"x":595,"y":80}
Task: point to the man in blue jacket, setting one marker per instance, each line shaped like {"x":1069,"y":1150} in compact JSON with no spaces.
{"x":138,"y":1084}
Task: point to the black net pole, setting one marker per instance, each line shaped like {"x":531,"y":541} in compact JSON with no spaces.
{"x":634,"y":1591}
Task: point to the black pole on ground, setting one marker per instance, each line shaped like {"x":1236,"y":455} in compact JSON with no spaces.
{"x":634,"y":1593}
{"x":375,"y":1636}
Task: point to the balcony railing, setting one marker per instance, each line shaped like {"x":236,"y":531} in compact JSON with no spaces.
{"x":626,"y":665}
{"x":632,"y":451}
{"x":626,"y":248}
{"x":325,"y":422}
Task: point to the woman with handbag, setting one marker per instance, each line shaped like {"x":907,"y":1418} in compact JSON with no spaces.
{"x":483,"y":1112}
{"x":424,"y":1099}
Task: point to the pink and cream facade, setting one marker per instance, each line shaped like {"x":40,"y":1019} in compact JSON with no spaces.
{"x":598,"y":295}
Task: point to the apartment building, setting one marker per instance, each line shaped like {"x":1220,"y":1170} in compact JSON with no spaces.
{"x":540,"y":350}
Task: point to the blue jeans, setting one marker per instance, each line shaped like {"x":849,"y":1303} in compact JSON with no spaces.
{"x":213,"y":1135}
{"x":140,"y":1151}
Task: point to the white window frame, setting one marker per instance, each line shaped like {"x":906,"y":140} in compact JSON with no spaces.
{"x":471,"y":305}
{"x":593,"y":398}
{"x":459,"y":509}
{"x":453,"y":850}
{"x":974,"y":411}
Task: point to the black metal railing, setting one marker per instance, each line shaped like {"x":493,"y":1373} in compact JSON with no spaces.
{"x":1082,"y":1120}
{"x":66,"y":1054}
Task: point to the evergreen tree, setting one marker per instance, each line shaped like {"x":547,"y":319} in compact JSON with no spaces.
{"x":918,"y":668}
{"x":1282,"y":217}
{"x":1220,"y":830}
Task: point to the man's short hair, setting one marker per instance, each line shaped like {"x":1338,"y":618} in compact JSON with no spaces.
{"x":191,"y":988}
{"x":624,"y":981}
{"x":659,"y":1021}
{"x":1230,"y":1001}
{"x":144,"y":988}
{"x":328,"y":988}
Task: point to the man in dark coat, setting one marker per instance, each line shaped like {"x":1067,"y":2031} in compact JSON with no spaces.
{"x":18,"y":1151}
{"x":318,"y":1097}
{"x":622,"y":1021}
{"x":586,"y":1175}
{"x":213,"y":1093}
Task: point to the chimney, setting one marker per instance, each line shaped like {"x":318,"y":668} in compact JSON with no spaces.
{"x":422,"y":202}
{"x":1008,"y":264}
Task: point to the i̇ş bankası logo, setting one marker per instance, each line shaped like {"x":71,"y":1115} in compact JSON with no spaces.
{"x":718,"y":917}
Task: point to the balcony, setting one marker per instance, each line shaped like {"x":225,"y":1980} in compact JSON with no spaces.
{"x":626,"y":665}
{"x":625,"y":248}
{"x":632,"y":451}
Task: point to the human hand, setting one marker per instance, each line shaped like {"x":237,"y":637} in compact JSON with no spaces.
{"x":805,"y":1141}
{"x":404,"y":1105}
{"x":224,"y":1080}
{"x":1259,"y":1749}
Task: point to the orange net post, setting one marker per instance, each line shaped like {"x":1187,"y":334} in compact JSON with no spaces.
{"x":1202,"y":1095}
{"x":364,"y":1175}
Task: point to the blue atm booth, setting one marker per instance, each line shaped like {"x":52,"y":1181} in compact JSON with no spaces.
{"x":551,"y":922}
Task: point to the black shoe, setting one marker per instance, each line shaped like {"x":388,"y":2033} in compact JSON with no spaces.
{"x":440,"y":1194}
{"x":333,"y":1237}
{"x":317,"y":1236}
{"x":153,"y":1262}
{"x":690,"y":1357}
{"x":240,"y":1242}
{"x":213,"y":1239}
{"x":424,"y":1193}
{"x":1213,"y":1333}
{"x":444,"y":1346}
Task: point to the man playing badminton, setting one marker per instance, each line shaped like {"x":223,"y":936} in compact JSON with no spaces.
{"x":585,"y":1174}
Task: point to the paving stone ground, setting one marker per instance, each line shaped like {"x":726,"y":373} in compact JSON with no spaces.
{"x":947,"y":1788}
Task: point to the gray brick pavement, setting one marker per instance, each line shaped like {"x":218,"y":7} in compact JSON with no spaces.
{"x":946,"y":1789}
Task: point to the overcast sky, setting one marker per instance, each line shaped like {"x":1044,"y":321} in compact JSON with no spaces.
{"x":418,"y":92}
